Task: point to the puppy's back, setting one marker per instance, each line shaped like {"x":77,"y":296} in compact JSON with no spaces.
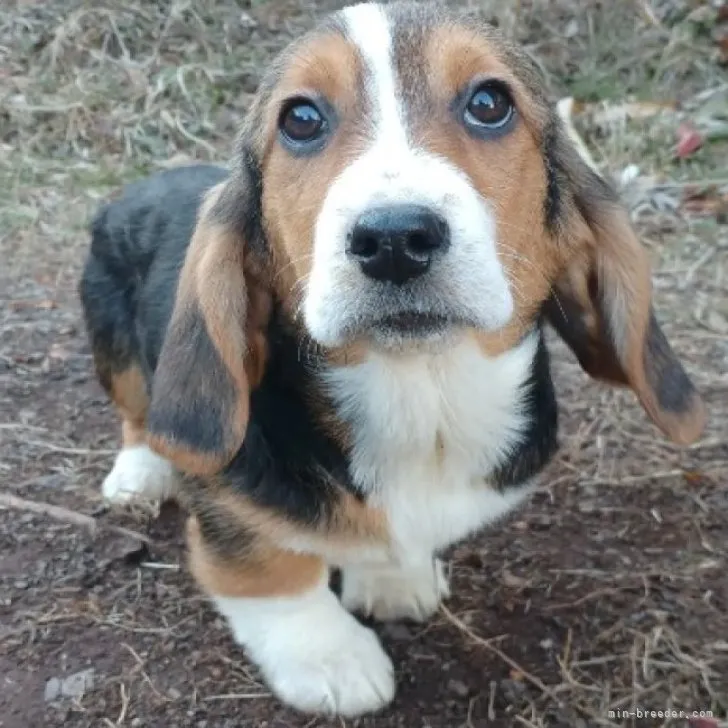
{"x":156,"y":212}
{"x":138,"y":244}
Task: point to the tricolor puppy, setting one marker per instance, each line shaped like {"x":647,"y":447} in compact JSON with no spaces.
{"x":341,"y":338}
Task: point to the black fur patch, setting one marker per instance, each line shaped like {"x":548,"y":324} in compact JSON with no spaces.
{"x":675,"y":392}
{"x":201,"y":418}
{"x":539,"y":441}
{"x":553,"y":204}
{"x":138,"y":243}
{"x":239,"y":207}
{"x":287,"y":462}
{"x":222,"y":531}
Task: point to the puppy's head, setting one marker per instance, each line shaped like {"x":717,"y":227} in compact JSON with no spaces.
{"x":402,"y":179}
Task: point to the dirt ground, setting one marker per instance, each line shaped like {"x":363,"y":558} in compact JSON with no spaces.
{"x":608,"y":592}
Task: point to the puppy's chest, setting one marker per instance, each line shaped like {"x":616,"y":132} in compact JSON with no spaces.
{"x":428,"y":431}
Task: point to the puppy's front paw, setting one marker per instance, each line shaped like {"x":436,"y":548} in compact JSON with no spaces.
{"x":348,"y":675}
{"x":395,"y":592}
{"x":314,"y":655}
{"x":139,"y":473}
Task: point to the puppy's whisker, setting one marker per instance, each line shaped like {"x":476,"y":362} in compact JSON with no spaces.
{"x":291,"y":263}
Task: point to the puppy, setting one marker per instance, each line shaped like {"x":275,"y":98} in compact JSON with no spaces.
{"x":339,"y":341}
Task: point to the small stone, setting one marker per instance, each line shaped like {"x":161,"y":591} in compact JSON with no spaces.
{"x":459,"y":688}
{"x":513,"y":581}
{"x":174,"y":694}
{"x":572,"y":29}
{"x":74,"y":686}
{"x":52,"y":690}
{"x":21,"y":584}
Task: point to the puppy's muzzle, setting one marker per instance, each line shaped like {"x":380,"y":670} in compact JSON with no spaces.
{"x":397,"y":243}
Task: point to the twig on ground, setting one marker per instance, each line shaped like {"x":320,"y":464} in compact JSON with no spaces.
{"x":59,"y":513}
{"x":236,"y":696}
{"x":535,"y":681}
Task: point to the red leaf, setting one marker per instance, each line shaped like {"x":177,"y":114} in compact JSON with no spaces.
{"x":702,"y":723}
{"x":689,"y":140}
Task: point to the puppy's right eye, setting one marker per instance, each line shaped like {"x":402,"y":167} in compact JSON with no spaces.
{"x":301,"y":122}
{"x":489,"y":107}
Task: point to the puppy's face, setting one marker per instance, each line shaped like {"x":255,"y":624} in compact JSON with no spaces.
{"x":405,"y":180}
{"x":400,"y":178}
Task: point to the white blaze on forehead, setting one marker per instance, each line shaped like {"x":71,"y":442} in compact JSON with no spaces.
{"x":369,"y":28}
{"x":468,"y":282}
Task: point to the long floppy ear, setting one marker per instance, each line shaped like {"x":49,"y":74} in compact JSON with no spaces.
{"x":601,"y":305}
{"x":214,"y":349}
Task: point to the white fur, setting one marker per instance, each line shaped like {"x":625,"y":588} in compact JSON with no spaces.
{"x":390,"y":170}
{"x":410,"y":591}
{"x":139,"y":473}
{"x":428,"y":431}
{"x":314,"y":655}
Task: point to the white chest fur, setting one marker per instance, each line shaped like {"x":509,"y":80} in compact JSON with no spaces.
{"x":428,"y":430}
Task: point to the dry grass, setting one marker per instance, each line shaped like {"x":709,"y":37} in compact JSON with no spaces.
{"x":608,"y":592}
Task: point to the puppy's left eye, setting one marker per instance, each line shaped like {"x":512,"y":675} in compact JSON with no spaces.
{"x":490,"y":107}
{"x":301,"y":122}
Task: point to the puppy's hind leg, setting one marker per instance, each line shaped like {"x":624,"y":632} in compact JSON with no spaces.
{"x":138,"y":472}
{"x":109,"y":313}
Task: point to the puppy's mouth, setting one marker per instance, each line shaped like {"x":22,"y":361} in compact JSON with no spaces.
{"x":411,"y":325}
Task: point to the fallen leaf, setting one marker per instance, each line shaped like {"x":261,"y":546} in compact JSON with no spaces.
{"x":516,"y":675}
{"x":694,"y":477}
{"x":689,"y":140}
{"x":703,"y":723}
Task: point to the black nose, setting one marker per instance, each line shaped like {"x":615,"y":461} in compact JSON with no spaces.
{"x":398,"y":243}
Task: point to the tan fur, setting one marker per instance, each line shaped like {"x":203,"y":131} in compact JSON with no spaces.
{"x":624,"y":344}
{"x":133,"y":434}
{"x":236,"y":526}
{"x":129,"y":393}
{"x":233,"y":300}
{"x":352,"y":524}
{"x":508,"y":172}
{"x":296,"y":186}
{"x":264,"y":571}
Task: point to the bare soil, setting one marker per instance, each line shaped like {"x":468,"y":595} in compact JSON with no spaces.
{"x":607,"y":592}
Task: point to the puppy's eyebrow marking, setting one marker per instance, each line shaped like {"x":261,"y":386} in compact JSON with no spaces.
{"x":368,"y":27}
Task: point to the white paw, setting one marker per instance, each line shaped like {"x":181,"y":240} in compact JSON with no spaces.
{"x":139,"y":473}
{"x":401,"y":592}
{"x":349,"y":675}
{"x":313,"y":654}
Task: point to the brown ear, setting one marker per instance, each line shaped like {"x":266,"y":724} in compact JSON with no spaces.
{"x":214,"y":349}
{"x":602,"y":306}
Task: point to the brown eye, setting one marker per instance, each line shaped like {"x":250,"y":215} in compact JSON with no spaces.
{"x":301,"y":122}
{"x":489,"y":107}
